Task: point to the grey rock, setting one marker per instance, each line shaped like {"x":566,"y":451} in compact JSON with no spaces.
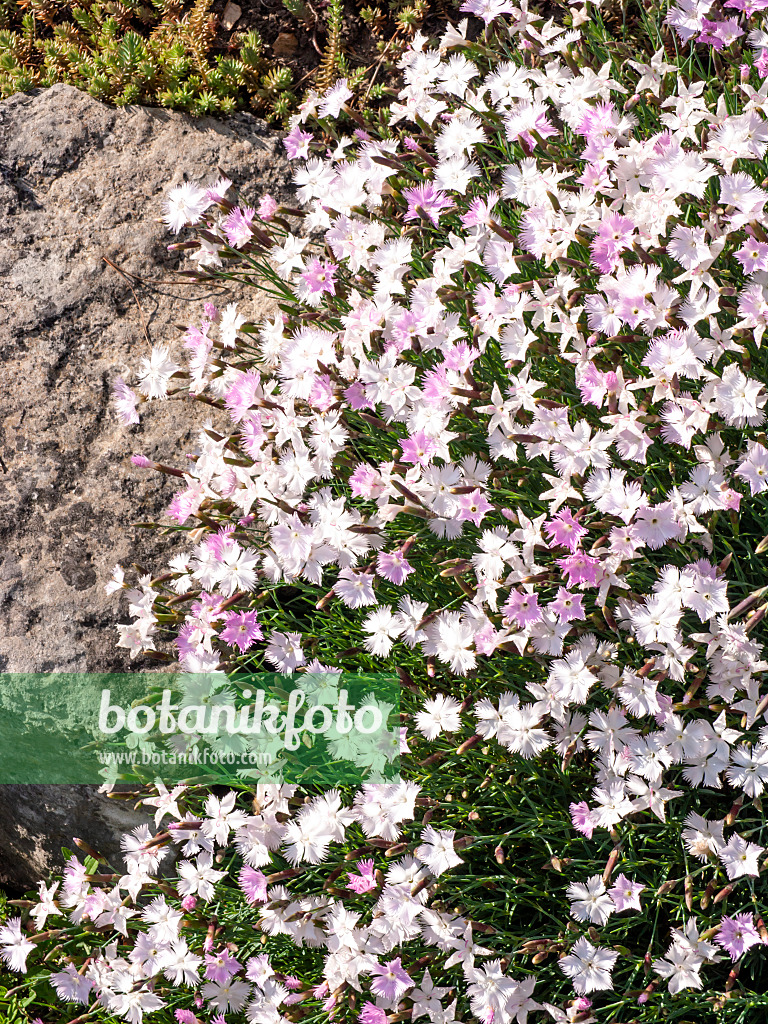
{"x":80,"y":181}
{"x":36,"y":822}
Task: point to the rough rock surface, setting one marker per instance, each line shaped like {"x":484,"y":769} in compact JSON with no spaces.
{"x":80,"y":181}
{"x":36,"y":822}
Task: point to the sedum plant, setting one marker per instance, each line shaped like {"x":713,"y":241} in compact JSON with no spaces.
{"x":169,"y":53}
{"x":154,"y":53}
{"x":504,"y":434}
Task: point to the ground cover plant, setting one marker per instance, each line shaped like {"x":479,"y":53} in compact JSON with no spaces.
{"x":504,"y":434}
{"x":186,"y":56}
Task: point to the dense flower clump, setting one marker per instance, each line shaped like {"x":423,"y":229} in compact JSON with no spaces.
{"x":504,"y":432}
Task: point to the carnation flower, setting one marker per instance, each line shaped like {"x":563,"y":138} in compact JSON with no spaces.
{"x":437,"y":851}
{"x":439,"y":714}
{"x":737,"y":934}
{"x":426,"y":201}
{"x":626,"y":894}
{"x":125,"y":403}
{"x":185,"y":204}
{"x":590,"y":901}
{"x":740,"y":857}
{"x":588,"y":966}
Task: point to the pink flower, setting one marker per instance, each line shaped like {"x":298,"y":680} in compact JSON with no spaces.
{"x":402,"y":329}
{"x":365,"y":881}
{"x":393,"y":566}
{"x":185,"y":1017}
{"x":753,"y":256}
{"x":357,"y":398}
{"x":719,"y":33}
{"x":435,"y":385}
{"x":626,"y":894}
{"x":612,"y":237}
{"x":390,"y":980}
{"x":321,"y":396}
{"x":189,"y":903}
{"x":267,"y":207}
{"x":426,"y":201}
{"x":320,"y":276}
{"x":460,"y":357}
{"x":564,"y":531}
{"x":473,"y":507}
{"x":419,"y":449}
{"x":594,"y":385}
{"x":237,"y":226}
{"x":567,"y":606}
{"x":581,"y":816}
{"x":220,"y":967}
{"x":125,"y":403}
{"x":242,"y":630}
{"x":253,"y":883}
{"x":296,"y":144}
{"x":365,"y":482}
{"x":241,"y":396}
{"x":600,"y":121}
{"x":522,"y":608}
{"x":737,"y":934}
{"x":479,"y":212}
{"x":372,"y":1014}
{"x":185,"y":503}
{"x":580,"y":568}
{"x":732,"y":499}
{"x":218,"y":191}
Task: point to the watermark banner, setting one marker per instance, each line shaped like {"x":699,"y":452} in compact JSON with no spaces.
{"x":327,"y":728}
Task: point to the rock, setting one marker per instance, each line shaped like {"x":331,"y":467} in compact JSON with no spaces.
{"x":285,"y":45}
{"x":37,"y":821}
{"x":82,"y":181}
{"x":230,"y":16}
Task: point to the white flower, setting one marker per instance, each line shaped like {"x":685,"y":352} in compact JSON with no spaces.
{"x":682,"y":967}
{"x":284,"y":651}
{"x":440,"y":714}
{"x":737,"y":398}
{"x":70,"y":986}
{"x":590,"y":901}
{"x":449,"y":637}
{"x":185,"y":205}
{"x":230,"y":323}
{"x":199,"y":878}
{"x":754,"y":468}
{"x":437,"y":850}
{"x":739,"y":857}
{"x":156,"y":372}
{"x":335,"y":98}
{"x":383,"y":627}
{"x":15,"y":947}
{"x":702,"y":838}
{"x":588,"y":966}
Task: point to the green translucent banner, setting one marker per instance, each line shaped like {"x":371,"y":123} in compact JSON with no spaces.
{"x":327,"y":729}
